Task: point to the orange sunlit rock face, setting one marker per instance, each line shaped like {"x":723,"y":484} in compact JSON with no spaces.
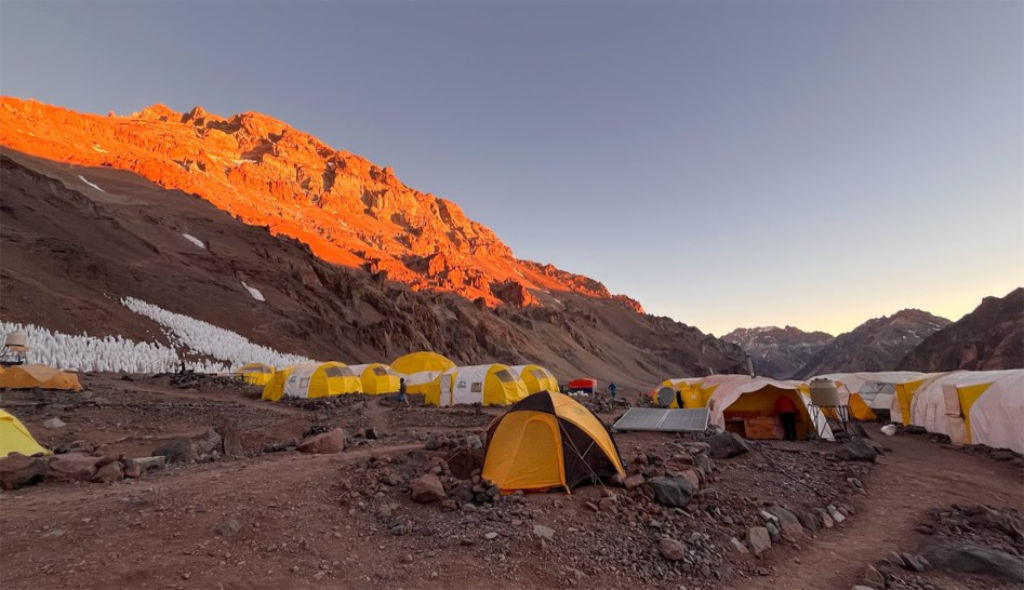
{"x":347,"y":209}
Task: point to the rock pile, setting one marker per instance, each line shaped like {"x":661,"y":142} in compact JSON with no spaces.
{"x":17,"y":470}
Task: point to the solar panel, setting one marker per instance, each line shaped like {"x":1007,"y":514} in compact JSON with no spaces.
{"x":664,"y":420}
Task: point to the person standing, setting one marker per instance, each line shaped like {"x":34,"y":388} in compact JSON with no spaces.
{"x":611,"y":390}
{"x":401,"y":390}
{"x":785,"y":409}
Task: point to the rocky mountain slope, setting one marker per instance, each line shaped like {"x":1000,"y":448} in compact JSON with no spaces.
{"x":778,"y":352}
{"x":76,"y":240}
{"x":990,"y":337}
{"x":348,"y":210}
{"x":875,"y":345}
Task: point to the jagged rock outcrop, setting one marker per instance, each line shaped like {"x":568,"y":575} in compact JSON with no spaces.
{"x":779,"y":352}
{"x":348,"y":210}
{"x":876,"y":345}
{"x":989,"y":338}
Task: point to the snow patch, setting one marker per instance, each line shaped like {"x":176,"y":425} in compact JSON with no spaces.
{"x":195,"y":240}
{"x":83,"y":179}
{"x":207,"y":339}
{"x":254,"y":292}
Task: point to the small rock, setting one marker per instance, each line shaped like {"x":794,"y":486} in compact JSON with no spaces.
{"x":857,"y":449}
{"x":873,"y":577}
{"x":228,"y":528}
{"x":758,"y":539}
{"x":634,"y":481}
{"x":54,"y":423}
{"x":672,"y":491}
{"x":895,"y":559}
{"x":427,"y":488}
{"x":491,"y":536}
{"x":671,"y":549}
{"x":543,"y":532}
{"x":108,"y":473}
{"x":17,"y":470}
{"x":739,"y":545}
{"x":370,"y":434}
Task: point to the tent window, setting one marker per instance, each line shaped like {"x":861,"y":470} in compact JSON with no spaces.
{"x":538,"y":373}
{"x":504,"y":376}
{"x":379,"y":371}
{"x":334,"y":372}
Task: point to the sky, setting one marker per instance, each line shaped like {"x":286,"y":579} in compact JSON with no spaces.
{"x":727,"y":164}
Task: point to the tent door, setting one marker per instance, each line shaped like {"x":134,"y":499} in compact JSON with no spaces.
{"x":954,"y":415}
{"x":446,"y":390}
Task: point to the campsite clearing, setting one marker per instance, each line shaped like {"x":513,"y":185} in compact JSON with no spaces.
{"x":273,"y":518}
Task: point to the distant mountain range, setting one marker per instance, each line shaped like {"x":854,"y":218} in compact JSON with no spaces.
{"x":989,"y":338}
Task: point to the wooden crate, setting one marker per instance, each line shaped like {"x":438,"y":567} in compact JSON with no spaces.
{"x":764,"y":427}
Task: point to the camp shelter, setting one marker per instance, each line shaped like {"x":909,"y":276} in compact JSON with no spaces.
{"x":312,"y":380}
{"x":535,"y":377}
{"x":670,"y":392}
{"x":15,"y":438}
{"x":548,"y":441}
{"x":41,"y":376}
{"x":490,"y":385}
{"x":255,"y":373}
{"x":377,"y":378}
{"x":584,"y":384}
{"x":878,"y":390}
{"x":974,"y":407}
{"x":747,"y":406}
{"x":422,"y":371}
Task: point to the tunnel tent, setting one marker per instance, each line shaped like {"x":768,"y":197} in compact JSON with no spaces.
{"x":38,"y":376}
{"x":548,"y":441}
{"x":376,"y":378}
{"x":535,"y":377}
{"x":490,"y":385}
{"x":687,"y":390}
{"x":312,"y":380}
{"x":255,"y":373}
{"x":974,"y":407}
{"x":422,"y":371}
{"x":15,"y":438}
{"x":876,"y":389}
{"x":752,"y":400}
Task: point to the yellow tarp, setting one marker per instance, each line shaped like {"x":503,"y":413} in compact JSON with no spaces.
{"x":15,"y":438}
{"x":29,"y":376}
{"x":255,"y":373}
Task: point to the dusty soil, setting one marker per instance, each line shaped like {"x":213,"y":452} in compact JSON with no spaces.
{"x":286,"y":520}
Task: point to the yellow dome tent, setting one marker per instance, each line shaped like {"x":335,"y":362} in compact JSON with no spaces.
{"x":535,"y":377}
{"x":377,"y":378}
{"x":255,"y":373}
{"x":312,"y":380}
{"x":422,"y":372}
{"x":547,"y":441}
{"x":490,"y":385}
{"x":43,"y":377}
{"x":15,"y":438}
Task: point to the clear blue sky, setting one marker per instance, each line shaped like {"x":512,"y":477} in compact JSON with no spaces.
{"x":728,"y":164}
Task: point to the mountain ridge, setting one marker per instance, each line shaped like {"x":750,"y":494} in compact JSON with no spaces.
{"x":349,"y":210}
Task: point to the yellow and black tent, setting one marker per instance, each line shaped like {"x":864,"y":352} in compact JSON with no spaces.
{"x":548,"y":440}
{"x":38,"y":376}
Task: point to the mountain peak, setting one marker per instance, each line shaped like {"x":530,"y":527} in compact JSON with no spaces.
{"x":347,"y":209}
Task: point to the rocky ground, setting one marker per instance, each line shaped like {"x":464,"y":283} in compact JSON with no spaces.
{"x":364,"y":491}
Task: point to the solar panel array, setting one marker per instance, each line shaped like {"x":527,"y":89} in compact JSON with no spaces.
{"x":664,"y":420}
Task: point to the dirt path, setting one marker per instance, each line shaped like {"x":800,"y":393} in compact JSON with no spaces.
{"x":916,"y":476}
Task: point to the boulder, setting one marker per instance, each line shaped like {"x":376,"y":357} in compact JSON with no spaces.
{"x":179,"y":450}
{"x":758,"y":539}
{"x":692,"y":476}
{"x":17,"y":470}
{"x":332,"y":441}
{"x":131,"y":467}
{"x":672,"y":491}
{"x":671,"y":549}
{"x":231,"y":437}
{"x":726,"y":444}
{"x":857,"y":449}
{"x":811,"y":521}
{"x":427,"y":488}
{"x":704,"y":463}
{"x":73,"y":467}
{"x":209,"y":444}
{"x":974,"y":559}
{"x":150,"y":463}
{"x":109,"y":472}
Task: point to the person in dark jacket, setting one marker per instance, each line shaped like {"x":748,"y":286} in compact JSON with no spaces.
{"x":785,"y":409}
{"x":611,"y":390}
{"x":401,"y":390}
